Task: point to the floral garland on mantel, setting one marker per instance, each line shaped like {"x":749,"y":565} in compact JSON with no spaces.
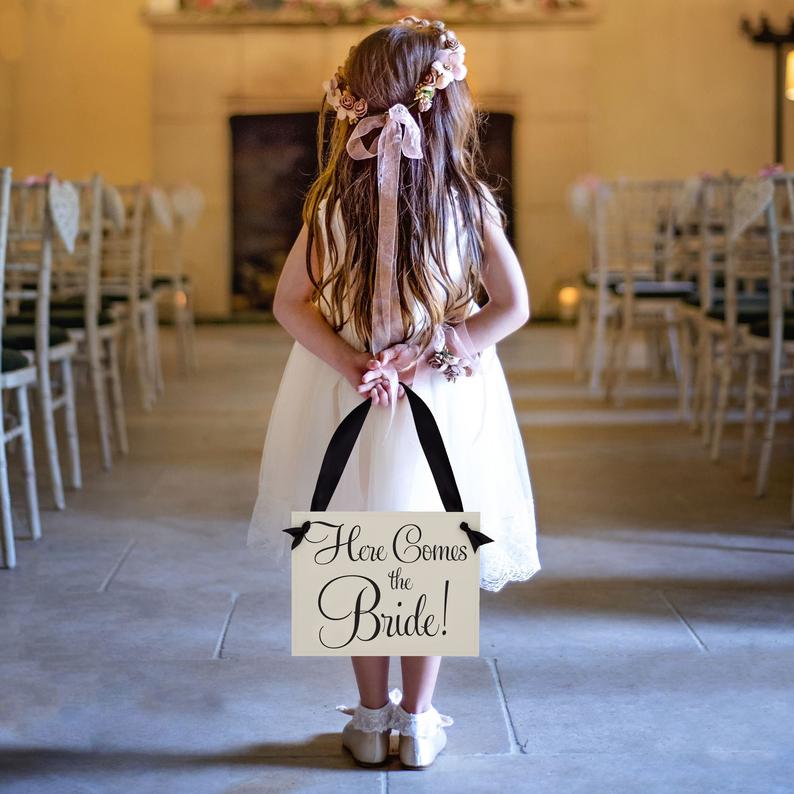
{"x":361,"y":11}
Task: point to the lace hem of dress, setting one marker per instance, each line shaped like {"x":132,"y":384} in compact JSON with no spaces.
{"x":506,"y":561}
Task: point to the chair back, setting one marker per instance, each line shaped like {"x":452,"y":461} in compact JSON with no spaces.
{"x":28,"y":269}
{"x":5,"y":203}
{"x":749,"y":245}
{"x":76,"y":273}
{"x":779,"y":215}
{"x":123,"y":246}
{"x":714,"y":221}
{"x":647,"y":217}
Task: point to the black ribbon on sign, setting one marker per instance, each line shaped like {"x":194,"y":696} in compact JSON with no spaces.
{"x":476,"y":538}
{"x":341,"y":446}
{"x":299,"y":533}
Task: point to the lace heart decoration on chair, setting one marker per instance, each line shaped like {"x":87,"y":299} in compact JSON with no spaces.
{"x":687,"y":199}
{"x":161,"y":208}
{"x":64,"y":203}
{"x":750,"y":201}
{"x":188,"y":203}
{"x":113,"y":207}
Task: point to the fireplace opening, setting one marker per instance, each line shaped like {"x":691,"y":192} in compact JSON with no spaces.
{"x":274,"y":162}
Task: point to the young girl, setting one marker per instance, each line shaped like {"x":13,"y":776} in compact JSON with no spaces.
{"x":400,"y":232}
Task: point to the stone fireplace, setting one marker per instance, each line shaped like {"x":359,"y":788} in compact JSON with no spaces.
{"x":222,"y":87}
{"x":273,"y":162}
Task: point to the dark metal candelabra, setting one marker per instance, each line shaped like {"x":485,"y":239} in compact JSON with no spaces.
{"x":765,"y":35}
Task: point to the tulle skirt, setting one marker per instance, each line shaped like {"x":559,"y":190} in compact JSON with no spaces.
{"x":388,"y":471}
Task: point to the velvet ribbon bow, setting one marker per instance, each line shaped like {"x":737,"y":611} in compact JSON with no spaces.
{"x":476,"y":538}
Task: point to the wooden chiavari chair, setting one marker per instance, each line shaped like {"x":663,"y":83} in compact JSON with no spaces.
{"x":123,"y":290}
{"x":771,"y":341}
{"x":651,"y":287}
{"x":17,"y":374}
{"x":593,"y":201}
{"x":187,"y":203}
{"x":37,"y":210}
{"x":76,"y":307}
{"x":712,"y":219}
{"x":747,"y":269}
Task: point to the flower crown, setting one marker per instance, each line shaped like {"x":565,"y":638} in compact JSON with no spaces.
{"x":447,"y":66}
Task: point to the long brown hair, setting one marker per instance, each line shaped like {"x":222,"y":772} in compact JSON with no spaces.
{"x":385,"y":68}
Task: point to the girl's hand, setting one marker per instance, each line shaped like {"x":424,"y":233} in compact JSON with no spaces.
{"x":364,"y":374}
{"x":399,"y":360}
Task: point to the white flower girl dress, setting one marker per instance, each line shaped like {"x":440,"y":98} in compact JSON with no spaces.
{"x":388,"y":471}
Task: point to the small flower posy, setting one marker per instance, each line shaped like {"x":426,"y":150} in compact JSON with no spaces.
{"x":447,"y":66}
{"x":450,"y":366}
{"x":339,"y":97}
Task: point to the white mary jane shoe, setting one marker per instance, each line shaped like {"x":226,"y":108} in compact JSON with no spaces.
{"x":367,"y":735}
{"x":422,"y":736}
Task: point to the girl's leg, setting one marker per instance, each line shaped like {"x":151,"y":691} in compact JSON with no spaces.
{"x":419,"y":682}
{"x":372,"y":677}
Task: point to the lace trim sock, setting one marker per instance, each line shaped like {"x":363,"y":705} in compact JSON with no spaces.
{"x":373,"y":720}
{"x":422,"y":725}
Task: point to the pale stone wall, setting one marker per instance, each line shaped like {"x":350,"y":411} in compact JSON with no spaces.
{"x":655,"y":88}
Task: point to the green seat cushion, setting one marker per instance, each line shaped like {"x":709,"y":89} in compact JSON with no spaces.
{"x":77,"y":302}
{"x":761,"y":328}
{"x":167,"y":281}
{"x":748,"y":309}
{"x":658,"y":289}
{"x":693,"y":299}
{"x":142,"y":295}
{"x":73,"y":317}
{"x":23,"y":337}
{"x":14,"y":360}
{"x":590,"y":279}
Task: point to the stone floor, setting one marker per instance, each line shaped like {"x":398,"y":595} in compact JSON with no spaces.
{"x":145,"y":651}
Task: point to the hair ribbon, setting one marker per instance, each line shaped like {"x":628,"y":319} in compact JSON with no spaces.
{"x":400,"y":135}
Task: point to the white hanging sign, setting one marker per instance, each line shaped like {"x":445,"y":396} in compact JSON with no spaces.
{"x":385,"y":584}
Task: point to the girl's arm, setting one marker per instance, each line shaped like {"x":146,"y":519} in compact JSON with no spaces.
{"x":507,"y":309}
{"x":302,"y":319}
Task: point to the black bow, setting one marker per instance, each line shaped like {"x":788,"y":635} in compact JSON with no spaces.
{"x":476,"y":538}
{"x":298,"y":533}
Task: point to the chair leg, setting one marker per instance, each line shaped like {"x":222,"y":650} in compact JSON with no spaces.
{"x":697,"y":376}
{"x":152,"y":335}
{"x":685,"y":379}
{"x":770,"y":419}
{"x":117,"y":395}
{"x":139,"y":351}
{"x":707,"y":389}
{"x":50,"y":436}
{"x":674,"y":342}
{"x":582,"y":334}
{"x":100,"y":405}
{"x":191,"y":332}
{"x":621,"y":372}
{"x":749,"y":415}
{"x":29,"y":467}
{"x":9,"y":547}
{"x":72,"y":435}
{"x":598,"y":355}
{"x":725,"y":372}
